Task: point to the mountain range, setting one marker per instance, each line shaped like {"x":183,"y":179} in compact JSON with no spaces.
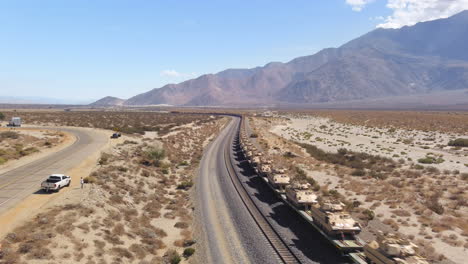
{"x":429,"y":57}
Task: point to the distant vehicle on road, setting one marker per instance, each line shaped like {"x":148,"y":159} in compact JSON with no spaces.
{"x":116,"y":135}
{"x":15,"y":122}
{"x":55,"y":182}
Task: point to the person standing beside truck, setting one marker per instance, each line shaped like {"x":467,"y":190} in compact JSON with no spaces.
{"x":82,"y":182}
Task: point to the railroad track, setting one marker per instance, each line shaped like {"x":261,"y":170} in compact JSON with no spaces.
{"x":275,"y":240}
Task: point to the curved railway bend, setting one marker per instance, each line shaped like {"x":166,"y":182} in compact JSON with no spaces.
{"x":242,"y":220}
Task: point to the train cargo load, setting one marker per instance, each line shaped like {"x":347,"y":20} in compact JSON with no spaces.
{"x":390,"y":249}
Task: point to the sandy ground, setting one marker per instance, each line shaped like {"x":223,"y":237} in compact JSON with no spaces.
{"x":331,"y":136}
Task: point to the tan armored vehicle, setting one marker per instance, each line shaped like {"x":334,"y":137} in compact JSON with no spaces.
{"x":247,"y":148}
{"x":389,"y":249}
{"x":279,"y":170}
{"x":242,"y":146}
{"x":255,"y":160}
{"x":264,"y":169}
{"x":243,"y":136}
{"x":330,"y":216}
{"x":279,"y":181}
{"x":300,"y":195}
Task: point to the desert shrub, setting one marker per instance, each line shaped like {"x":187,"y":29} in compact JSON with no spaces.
{"x":418,"y":167}
{"x":334,"y":194}
{"x":104,"y":159}
{"x":122,"y":169}
{"x":463,"y":176}
{"x":138,"y":250}
{"x":189,"y":242}
{"x":459,"y":142}
{"x":313,"y":183}
{"x":118,"y":229}
{"x":342,"y":151}
{"x":358,"y":172}
{"x":2,"y":160}
{"x":183,"y":163}
{"x":156,"y":153}
{"x":9,"y":134}
{"x":188,"y":252}
{"x":173,"y":257}
{"x":300,"y":173}
{"x":28,"y":151}
{"x":2,"y":116}
{"x":145,"y":173}
{"x":116,"y":199}
{"x":40,"y":253}
{"x":401,"y":212}
{"x":434,"y":205}
{"x":369,"y":214}
{"x":408,"y":141}
{"x":185,"y":185}
{"x":84,"y":227}
{"x":90,"y":179}
{"x":83,"y":211}
{"x":378,"y":175}
{"x":153,"y":156}
{"x":432,"y":170}
{"x":25,"y":248}
{"x":426,"y":160}
{"x":134,"y":130}
{"x":344,"y":157}
{"x":182,"y":225}
{"x":391,"y":223}
{"x":122,"y":252}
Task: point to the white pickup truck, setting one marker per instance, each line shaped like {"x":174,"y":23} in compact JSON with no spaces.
{"x":55,"y":182}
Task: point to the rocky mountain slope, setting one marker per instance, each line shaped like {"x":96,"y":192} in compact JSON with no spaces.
{"x":424,"y":58}
{"x":108,"y":101}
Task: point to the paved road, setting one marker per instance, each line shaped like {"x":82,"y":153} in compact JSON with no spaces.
{"x":230,"y":233}
{"x":19,"y":183}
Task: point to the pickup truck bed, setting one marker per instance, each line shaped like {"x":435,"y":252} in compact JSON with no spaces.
{"x":55,"y":182}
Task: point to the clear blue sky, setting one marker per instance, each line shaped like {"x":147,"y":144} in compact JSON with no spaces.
{"x":89,"y":49}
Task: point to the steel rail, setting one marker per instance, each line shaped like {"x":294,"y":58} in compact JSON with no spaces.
{"x":277,"y":243}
